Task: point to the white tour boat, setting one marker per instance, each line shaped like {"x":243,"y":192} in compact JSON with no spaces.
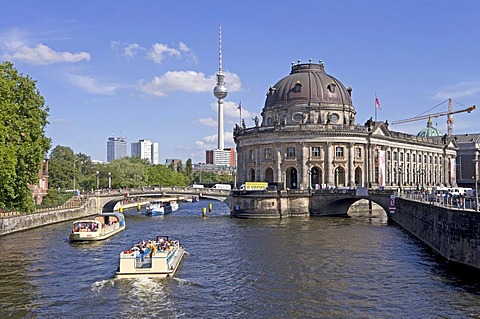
{"x":158,"y":258}
{"x":100,"y":227}
{"x":161,"y":207}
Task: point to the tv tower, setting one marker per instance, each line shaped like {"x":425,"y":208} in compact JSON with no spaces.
{"x":220,"y":91}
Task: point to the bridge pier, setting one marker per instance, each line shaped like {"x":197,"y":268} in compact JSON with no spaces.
{"x":280,"y":204}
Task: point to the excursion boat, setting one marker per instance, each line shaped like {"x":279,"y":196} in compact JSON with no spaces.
{"x":99,"y":228}
{"x":159,"y":258}
{"x":161,"y":207}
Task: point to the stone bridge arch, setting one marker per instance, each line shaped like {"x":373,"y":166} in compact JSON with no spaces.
{"x":339,"y":204}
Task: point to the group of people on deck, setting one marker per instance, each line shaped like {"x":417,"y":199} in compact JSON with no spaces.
{"x":161,"y":244}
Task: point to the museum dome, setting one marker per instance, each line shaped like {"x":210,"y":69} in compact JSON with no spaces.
{"x":308,"y":84}
{"x":429,"y":131}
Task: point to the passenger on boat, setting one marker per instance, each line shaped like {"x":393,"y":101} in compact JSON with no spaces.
{"x":152,"y":247}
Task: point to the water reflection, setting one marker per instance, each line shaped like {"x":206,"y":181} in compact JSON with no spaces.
{"x":321,"y":267}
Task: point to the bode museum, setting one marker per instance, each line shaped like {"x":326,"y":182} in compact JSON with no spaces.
{"x":308,"y":138}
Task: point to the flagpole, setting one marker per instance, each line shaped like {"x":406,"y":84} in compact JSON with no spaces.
{"x":240,"y":108}
{"x":375,"y":106}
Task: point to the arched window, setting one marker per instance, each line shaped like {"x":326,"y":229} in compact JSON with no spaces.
{"x":269,"y":175}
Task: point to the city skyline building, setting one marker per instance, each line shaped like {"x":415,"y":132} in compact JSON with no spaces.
{"x":116,"y":148}
{"x":145,"y":149}
{"x":225,"y":157}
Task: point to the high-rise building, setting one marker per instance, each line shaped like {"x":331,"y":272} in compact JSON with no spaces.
{"x":116,"y":148}
{"x":175,"y":163}
{"x":146,"y":149}
{"x":225,"y":157}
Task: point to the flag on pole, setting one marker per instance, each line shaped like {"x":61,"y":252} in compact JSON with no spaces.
{"x":377,"y":102}
{"x":240,"y":109}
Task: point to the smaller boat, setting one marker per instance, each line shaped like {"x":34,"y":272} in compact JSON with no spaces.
{"x":159,"y":258}
{"x":155,"y":208}
{"x":161,"y":207}
{"x":100,"y":227}
{"x":171,"y":206}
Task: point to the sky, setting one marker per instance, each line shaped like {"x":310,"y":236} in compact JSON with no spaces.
{"x":146,"y":69}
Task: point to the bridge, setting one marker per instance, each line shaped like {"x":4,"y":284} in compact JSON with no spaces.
{"x":255,"y":204}
{"x":111,"y":200}
{"x":289,"y":203}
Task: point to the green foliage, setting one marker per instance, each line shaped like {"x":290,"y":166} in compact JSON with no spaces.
{"x":60,"y":167}
{"x":23,"y":144}
{"x":55,"y":198}
{"x":125,"y":172}
{"x":165,"y":176}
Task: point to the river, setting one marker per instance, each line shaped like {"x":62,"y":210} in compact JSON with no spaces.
{"x":357,"y":267}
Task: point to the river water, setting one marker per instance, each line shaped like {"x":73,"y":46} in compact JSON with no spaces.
{"x":357,"y":267}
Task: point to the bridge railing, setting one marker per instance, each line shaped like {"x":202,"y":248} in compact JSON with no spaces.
{"x":438,"y":200}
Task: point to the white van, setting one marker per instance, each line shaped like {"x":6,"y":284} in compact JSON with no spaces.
{"x":222,"y":186}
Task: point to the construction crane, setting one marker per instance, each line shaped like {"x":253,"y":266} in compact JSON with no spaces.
{"x":448,"y":113}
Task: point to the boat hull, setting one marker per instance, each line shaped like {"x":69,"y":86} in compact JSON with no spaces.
{"x":100,"y":227}
{"x":93,"y":236}
{"x":155,"y":272}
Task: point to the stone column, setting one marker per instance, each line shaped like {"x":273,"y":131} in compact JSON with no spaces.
{"x":278,"y":158}
{"x":371,"y":165}
{"x":351,"y":165}
{"x":258,"y":167}
{"x":328,"y":165}
{"x":304,"y":183}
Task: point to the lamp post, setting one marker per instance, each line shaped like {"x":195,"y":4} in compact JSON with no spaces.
{"x":309,"y":179}
{"x":96,"y":173}
{"x":476,"y":180}
{"x":74,"y":172}
{"x":400,"y":172}
{"x":336,"y":177}
{"x":109,"y":180}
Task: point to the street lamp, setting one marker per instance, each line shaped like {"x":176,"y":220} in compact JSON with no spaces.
{"x":400,"y":172}
{"x":336,"y":177}
{"x":109,"y":180}
{"x":74,"y":173}
{"x":97,"y":172}
{"x":309,"y":178}
{"x":476,"y":180}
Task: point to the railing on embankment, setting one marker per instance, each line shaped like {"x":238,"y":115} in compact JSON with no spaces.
{"x":46,"y":216}
{"x":452,"y":232}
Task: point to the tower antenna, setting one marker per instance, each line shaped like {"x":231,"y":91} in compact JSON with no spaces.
{"x":220,"y":91}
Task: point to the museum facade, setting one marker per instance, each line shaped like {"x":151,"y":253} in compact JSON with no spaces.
{"x":308,"y":138}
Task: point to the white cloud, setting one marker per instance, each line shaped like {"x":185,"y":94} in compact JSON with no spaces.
{"x":128,"y":50}
{"x":208,"y":121}
{"x":42,"y":54}
{"x":16,"y":48}
{"x":186,"y":81}
{"x":92,"y":85}
{"x":184,"y":48}
{"x":160,"y":50}
{"x":459,"y":90}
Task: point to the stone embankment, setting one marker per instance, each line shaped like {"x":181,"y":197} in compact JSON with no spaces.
{"x":452,"y":232}
{"x":70,"y":211}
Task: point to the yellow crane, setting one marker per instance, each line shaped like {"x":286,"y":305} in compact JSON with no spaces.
{"x":449,"y":114}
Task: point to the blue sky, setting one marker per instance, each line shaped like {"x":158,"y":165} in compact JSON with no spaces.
{"x":146,"y":69}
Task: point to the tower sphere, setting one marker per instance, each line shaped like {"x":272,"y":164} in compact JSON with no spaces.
{"x":220,"y":91}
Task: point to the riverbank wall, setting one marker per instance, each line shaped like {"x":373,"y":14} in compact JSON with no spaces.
{"x":18,"y":223}
{"x":453,"y":233}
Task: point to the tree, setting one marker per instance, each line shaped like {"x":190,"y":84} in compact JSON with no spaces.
{"x":23,"y":144}
{"x":60,"y":167}
{"x":165,"y":176}
{"x":188,"y":170}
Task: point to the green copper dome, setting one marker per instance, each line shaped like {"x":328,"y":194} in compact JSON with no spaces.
{"x":429,"y":130}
